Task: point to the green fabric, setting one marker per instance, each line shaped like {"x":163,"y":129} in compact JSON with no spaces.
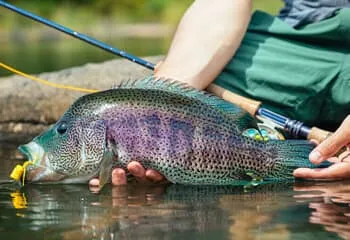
{"x":302,"y":73}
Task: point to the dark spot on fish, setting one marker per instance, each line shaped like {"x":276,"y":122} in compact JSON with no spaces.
{"x":152,"y":124}
{"x":181,"y":136}
{"x":235,"y":140}
{"x":213,"y":134}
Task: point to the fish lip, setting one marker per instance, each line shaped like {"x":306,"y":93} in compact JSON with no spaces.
{"x":38,"y":171}
{"x":33,"y":151}
{"x":35,"y":154}
{"x":24,"y":149}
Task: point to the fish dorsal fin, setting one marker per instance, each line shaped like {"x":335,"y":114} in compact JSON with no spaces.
{"x":241,"y":117}
{"x":183,"y":89}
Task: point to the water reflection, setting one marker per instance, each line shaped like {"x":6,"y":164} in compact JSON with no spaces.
{"x":330,"y":205}
{"x":274,"y":211}
{"x":132,"y":212}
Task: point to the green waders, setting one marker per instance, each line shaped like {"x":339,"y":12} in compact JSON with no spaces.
{"x":302,"y":73}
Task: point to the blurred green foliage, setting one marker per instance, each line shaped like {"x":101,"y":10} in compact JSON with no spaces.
{"x":81,"y":12}
{"x":41,"y":56}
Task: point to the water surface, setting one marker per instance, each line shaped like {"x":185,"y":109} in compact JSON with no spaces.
{"x":274,"y":211}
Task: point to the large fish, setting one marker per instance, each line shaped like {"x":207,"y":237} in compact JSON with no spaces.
{"x":190,"y":136}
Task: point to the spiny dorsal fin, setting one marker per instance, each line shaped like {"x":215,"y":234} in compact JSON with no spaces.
{"x":184,"y":89}
{"x":242,"y":118}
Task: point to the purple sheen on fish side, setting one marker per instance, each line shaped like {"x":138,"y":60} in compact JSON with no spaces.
{"x":181,"y":135}
{"x":146,"y":133}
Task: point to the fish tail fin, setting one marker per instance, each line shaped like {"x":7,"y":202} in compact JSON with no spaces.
{"x":291,"y":154}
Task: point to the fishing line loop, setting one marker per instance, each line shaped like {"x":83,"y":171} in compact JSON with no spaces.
{"x":45,"y":82}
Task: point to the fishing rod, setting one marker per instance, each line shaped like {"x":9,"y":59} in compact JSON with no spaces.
{"x":291,"y":126}
{"x":78,"y":35}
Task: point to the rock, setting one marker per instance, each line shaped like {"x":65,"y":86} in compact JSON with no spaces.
{"x":27,"y":129}
{"x":25,"y":104}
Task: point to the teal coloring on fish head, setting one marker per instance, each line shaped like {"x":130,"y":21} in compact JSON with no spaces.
{"x":67,"y":152}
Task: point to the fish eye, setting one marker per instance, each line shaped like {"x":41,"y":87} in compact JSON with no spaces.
{"x":62,"y":128}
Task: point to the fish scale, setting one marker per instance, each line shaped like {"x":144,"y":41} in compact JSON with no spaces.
{"x":189,"y":136}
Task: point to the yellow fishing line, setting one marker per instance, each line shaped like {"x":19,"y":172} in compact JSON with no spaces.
{"x":55,"y":85}
{"x":25,"y":169}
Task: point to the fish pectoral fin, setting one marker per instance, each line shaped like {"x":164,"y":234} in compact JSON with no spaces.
{"x":106,"y":169}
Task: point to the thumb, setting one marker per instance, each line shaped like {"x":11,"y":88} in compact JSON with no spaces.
{"x":332,"y":144}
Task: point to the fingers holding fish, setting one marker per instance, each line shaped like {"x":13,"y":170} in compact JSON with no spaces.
{"x":94,"y":182}
{"x":154,"y":176}
{"x":332,"y":144}
{"x":340,"y":170}
{"x":118,"y":177}
{"x":143,"y":175}
{"x":137,"y":170}
{"x":327,"y":150}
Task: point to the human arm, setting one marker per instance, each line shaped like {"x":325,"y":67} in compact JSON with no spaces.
{"x":327,"y":151}
{"x":207,"y":37}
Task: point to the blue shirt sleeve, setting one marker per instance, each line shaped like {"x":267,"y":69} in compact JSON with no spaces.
{"x":302,"y":12}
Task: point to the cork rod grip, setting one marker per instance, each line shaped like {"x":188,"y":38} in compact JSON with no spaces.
{"x":318,"y":134}
{"x":247,"y":104}
{"x":252,"y":107}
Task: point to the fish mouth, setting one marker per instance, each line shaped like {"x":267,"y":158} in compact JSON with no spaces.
{"x":32,"y":151}
{"x":37,"y":170}
{"x":24,"y":149}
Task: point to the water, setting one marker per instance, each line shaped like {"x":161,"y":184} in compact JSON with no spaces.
{"x":275,"y":211}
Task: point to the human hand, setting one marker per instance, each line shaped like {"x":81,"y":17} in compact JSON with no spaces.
{"x":327,"y":151}
{"x":137,"y":170}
